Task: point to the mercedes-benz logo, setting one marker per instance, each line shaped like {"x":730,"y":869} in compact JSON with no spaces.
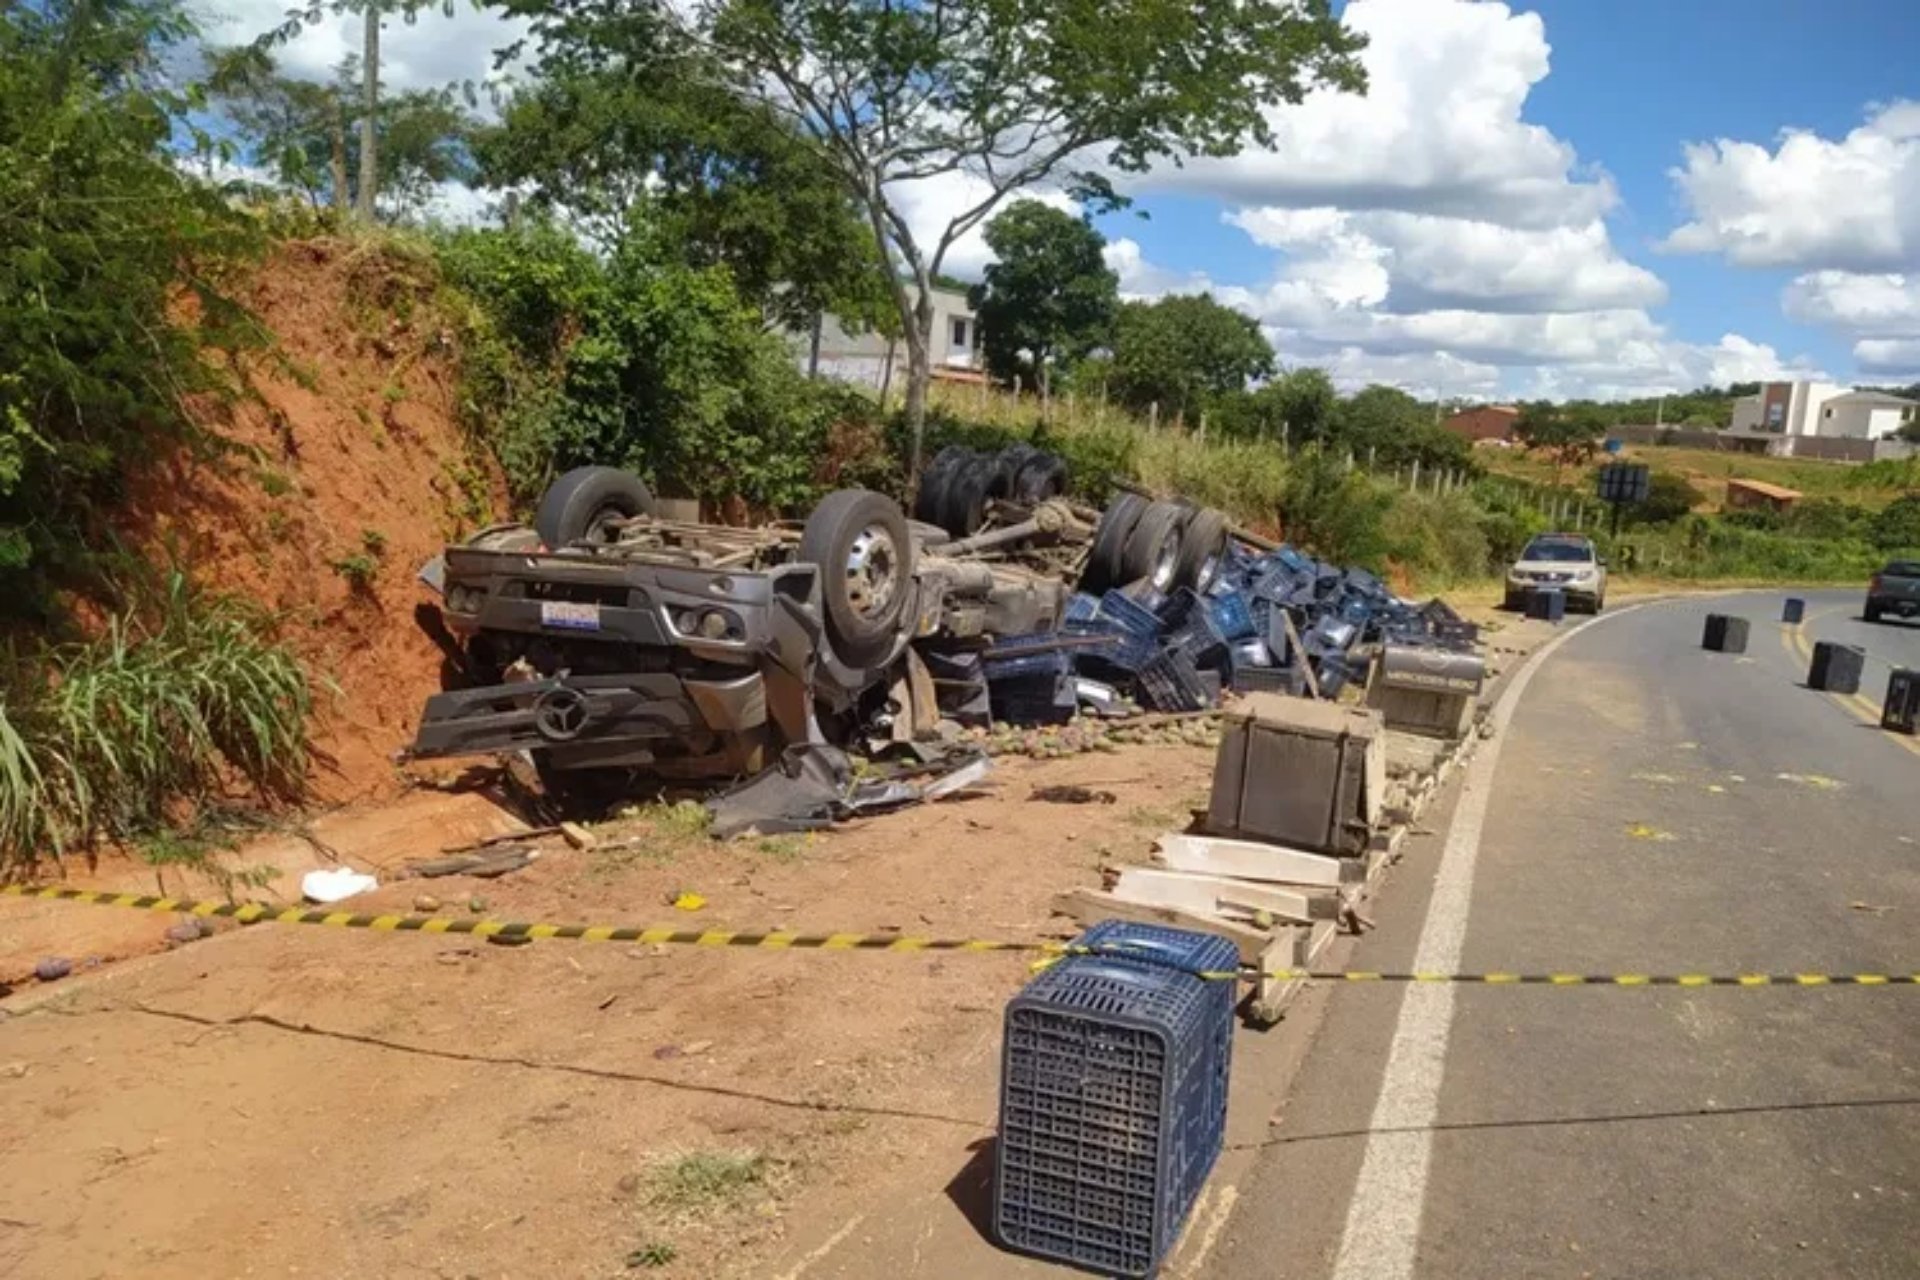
{"x":560,"y":714}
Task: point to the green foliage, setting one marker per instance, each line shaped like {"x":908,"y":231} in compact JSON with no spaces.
{"x":1009,"y":94}
{"x":1669,"y":497}
{"x":1336,"y":513}
{"x":675,"y":161}
{"x":102,"y":238}
{"x":102,"y":738}
{"x":664,"y":370}
{"x":1897,"y":527}
{"x":1568,"y":433}
{"x":1184,"y":352}
{"x":1441,"y":535}
{"x":359,"y":569}
{"x":1395,"y":430}
{"x":297,"y":131}
{"x":1298,"y":407}
{"x":1048,"y":295}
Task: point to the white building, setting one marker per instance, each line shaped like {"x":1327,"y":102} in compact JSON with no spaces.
{"x":1865,"y":415}
{"x":869,"y":359}
{"x":1785,"y":408}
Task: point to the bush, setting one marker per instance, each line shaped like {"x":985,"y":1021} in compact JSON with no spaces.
{"x":1897,"y":527}
{"x":103,"y":738}
{"x":1335,"y":513}
{"x":1438,"y":537}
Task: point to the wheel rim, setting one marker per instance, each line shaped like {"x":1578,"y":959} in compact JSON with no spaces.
{"x":601,"y":530}
{"x":1209,"y":570}
{"x":1165,"y":563}
{"x":873,"y":571}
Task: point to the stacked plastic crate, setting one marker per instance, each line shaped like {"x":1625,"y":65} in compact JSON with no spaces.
{"x":1113,"y":1096}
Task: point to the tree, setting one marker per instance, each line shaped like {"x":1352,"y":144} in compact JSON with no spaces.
{"x":1048,"y":295}
{"x":1396,"y":430}
{"x":1298,"y":406}
{"x":1568,"y":433}
{"x":1182,"y":351}
{"x":109,"y":260}
{"x":702,"y":178}
{"x":1005,"y":95}
{"x":300,"y":130}
{"x":1897,"y":526}
{"x":371,"y":12}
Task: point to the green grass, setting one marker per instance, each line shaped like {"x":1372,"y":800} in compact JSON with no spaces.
{"x":698,"y":1182}
{"x":788,"y":848}
{"x":108,"y":737}
{"x":681,"y":820}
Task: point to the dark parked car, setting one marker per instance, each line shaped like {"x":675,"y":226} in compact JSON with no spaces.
{"x":1895,"y":589}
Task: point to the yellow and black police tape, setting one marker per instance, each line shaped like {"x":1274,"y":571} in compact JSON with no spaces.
{"x":778,"y":940}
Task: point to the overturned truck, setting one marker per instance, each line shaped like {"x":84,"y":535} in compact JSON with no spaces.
{"x":604,"y":637}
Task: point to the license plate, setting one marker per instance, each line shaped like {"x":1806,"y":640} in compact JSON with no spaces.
{"x":569,"y":615}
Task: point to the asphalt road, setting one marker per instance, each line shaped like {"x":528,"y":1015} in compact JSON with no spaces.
{"x":1653,"y":808}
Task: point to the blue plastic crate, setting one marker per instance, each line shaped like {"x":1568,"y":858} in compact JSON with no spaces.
{"x":1291,"y":681}
{"x":1230,"y":615}
{"x":1171,"y":682}
{"x":1048,"y":699}
{"x":1113,"y":1097}
{"x":1047,"y":662}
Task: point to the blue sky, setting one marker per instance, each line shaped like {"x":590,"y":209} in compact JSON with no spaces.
{"x":1563,"y":197}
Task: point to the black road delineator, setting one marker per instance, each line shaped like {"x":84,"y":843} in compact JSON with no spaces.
{"x":1901,"y":711}
{"x":1725,"y":634}
{"x":1793,"y":611}
{"x":1548,"y":604}
{"x":1836,"y":667}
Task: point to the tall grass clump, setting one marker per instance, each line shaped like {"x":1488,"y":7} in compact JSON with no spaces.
{"x":170,"y":704}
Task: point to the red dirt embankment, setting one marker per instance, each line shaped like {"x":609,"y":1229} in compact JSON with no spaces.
{"x":345,"y":469}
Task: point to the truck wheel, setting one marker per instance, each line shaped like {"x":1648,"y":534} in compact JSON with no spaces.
{"x":1203,"y":550}
{"x":969,"y":485}
{"x":931,"y":498}
{"x":1106,"y":562}
{"x":1043,"y":476}
{"x":859,"y":541}
{"x":1011,"y":461}
{"x":1153,"y":550}
{"x":582,"y":504}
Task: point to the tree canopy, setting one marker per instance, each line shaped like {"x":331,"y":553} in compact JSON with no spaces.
{"x":680,"y":165}
{"x":1183,"y":351}
{"x":1010,"y":94}
{"x":1048,"y":295}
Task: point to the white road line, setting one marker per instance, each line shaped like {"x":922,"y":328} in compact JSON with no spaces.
{"x":1383,"y":1219}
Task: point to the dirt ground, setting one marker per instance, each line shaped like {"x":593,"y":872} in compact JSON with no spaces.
{"x":342,"y":471}
{"x":304,"y":1101}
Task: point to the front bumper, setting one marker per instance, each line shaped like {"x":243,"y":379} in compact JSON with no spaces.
{"x":657,"y":720}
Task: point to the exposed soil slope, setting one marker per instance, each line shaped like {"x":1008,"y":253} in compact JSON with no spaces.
{"x":344,"y":471}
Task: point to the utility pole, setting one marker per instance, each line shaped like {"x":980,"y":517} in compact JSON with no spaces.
{"x":370,"y":68}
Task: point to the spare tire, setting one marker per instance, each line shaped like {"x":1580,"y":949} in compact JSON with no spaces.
{"x":582,"y":504}
{"x":1203,"y":550}
{"x":931,"y":498}
{"x":860,"y":543}
{"x":1106,"y":562}
{"x":1153,"y":549}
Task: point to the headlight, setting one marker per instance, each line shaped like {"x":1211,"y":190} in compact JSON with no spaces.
{"x":1583,"y":575}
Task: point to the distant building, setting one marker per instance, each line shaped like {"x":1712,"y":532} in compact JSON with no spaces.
{"x":869,"y":359}
{"x":1865,"y":415}
{"x":1758,"y":495}
{"x":1784,"y":408}
{"x":1484,"y":422}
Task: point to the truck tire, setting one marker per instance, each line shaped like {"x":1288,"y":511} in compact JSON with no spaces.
{"x":579,"y":505}
{"x":1011,"y":461}
{"x":859,"y":541}
{"x":929,"y":501}
{"x":1203,"y":550}
{"x":1041,"y":477}
{"x":1106,"y":562}
{"x":1153,"y":549}
{"x":969,"y":485}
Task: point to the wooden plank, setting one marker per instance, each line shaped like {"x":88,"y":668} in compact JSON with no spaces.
{"x":1190,"y":892}
{"x":1299,"y":655}
{"x":1250,"y":860}
{"x":1091,"y":906}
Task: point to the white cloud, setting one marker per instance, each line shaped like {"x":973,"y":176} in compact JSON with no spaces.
{"x":1414,"y":262}
{"x":1428,"y":373}
{"x":1886,"y":304}
{"x":1439,"y":130}
{"x":433,"y":50}
{"x":1851,"y":205}
{"x":1889,"y":357}
{"x":1141,"y":280}
{"x":930,"y":204}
